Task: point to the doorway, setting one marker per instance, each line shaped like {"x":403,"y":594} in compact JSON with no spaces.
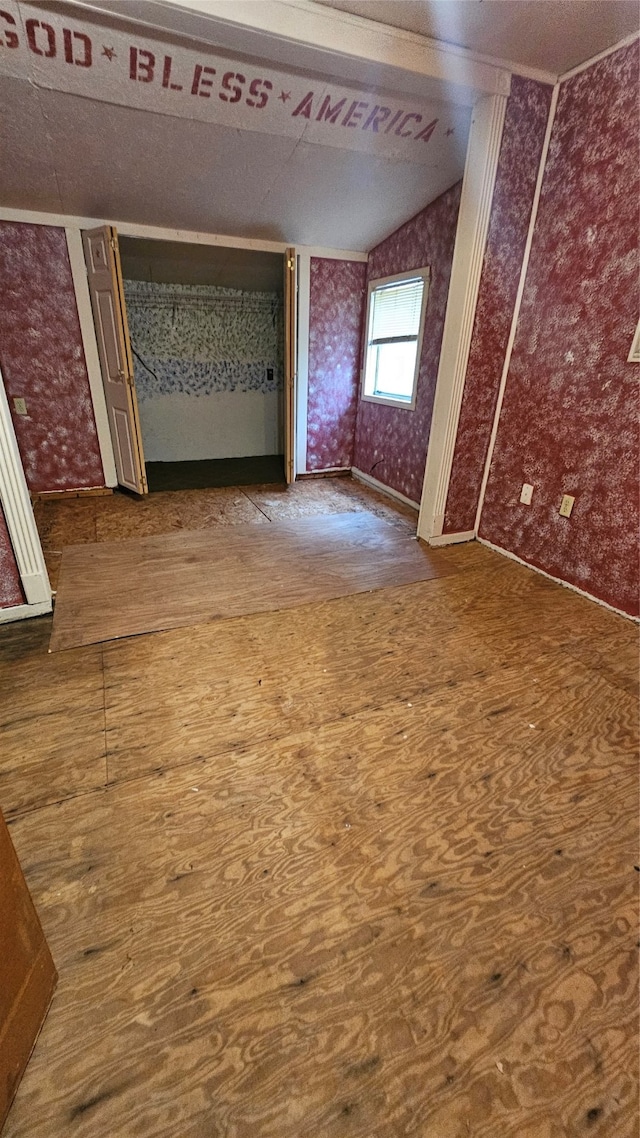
{"x":197,"y":353}
{"x":207,"y":337}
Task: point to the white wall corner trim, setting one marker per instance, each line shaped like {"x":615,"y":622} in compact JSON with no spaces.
{"x":557,"y":580}
{"x":452,"y":538}
{"x":478,"y":183}
{"x":302,"y":367}
{"x":518,"y":302}
{"x":375,"y":484}
{"x":92,"y":359}
{"x":18,"y":513}
{"x":625,"y":42}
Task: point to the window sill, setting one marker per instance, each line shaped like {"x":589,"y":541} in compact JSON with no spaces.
{"x":399,"y":404}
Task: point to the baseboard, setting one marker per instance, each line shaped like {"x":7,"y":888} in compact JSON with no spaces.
{"x":557,"y":580}
{"x":452,"y":538}
{"x":54,"y":495}
{"x":22,"y":612}
{"x":369,"y":480}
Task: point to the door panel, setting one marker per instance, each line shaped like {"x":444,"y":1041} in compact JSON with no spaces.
{"x":125,"y":455}
{"x":110,"y":317}
{"x":27,"y":973}
{"x":290,"y":364}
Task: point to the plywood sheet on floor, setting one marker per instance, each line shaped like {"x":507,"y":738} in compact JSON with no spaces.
{"x":360,"y":869}
{"x":126,"y":588}
{"x":395,"y":924}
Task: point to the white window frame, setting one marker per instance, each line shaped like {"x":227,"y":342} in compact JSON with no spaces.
{"x":397,"y":278}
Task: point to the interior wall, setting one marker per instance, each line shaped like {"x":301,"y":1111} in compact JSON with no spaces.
{"x":569,"y":418}
{"x":336,"y":308}
{"x":391,"y":443}
{"x":217,"y":356}
{"x":10,"y":585}
{"x":42,"y":359}
{"x":520,"y":152}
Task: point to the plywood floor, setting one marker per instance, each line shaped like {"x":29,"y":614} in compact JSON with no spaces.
{"x":364,"y":868}
{"x":120,"y":516}
{"x":124,"y":588}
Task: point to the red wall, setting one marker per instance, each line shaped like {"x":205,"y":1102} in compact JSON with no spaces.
{"x":391,"y":443}
{"x":42,"y":360}
{"x":522,"y":140}
{"x":569,"y":421}
{"x":335,"y":332}
{"x":10,"y":587}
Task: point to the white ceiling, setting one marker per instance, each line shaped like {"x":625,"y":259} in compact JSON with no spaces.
{"x":551,"y":35}
{"x":77,"y":148}
{"x":89,"y":142}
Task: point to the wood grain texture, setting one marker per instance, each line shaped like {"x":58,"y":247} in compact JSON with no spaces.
{"x":197,"y":576}
{"x":362,"y":868}
{"x":52,"y":736}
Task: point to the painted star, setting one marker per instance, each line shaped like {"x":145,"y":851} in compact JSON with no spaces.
{"x":451,"y":130}
{"x":109,"y":52}
{"x":284,"y":95}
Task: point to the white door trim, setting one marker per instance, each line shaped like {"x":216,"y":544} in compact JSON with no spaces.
{"x":480,"y":170}
{"x":18,"y":512}
{"x":302,"y":370}
{"x":92,"y":359}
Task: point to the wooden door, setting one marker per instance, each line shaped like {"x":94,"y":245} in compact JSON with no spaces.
{"x":27,"y":973}
{"x":110,"y":317}
{"x":290,"y":362}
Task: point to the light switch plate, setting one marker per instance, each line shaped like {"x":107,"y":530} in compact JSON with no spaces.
{"x":567,"y":505}
{"x":20,"y":406}
{"x":526,"y":494}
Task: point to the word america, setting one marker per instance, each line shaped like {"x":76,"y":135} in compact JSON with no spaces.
{"x":202,"y":81}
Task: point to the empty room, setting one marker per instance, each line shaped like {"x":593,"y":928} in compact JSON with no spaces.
{"x":319,"y":597}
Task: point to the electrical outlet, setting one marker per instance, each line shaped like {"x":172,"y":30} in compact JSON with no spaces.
{"x":526,"y":493}
{"x":567,"y":505}
{"x":20,"y":406}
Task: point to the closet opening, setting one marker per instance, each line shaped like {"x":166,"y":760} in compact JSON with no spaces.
{"x":206,"y":329}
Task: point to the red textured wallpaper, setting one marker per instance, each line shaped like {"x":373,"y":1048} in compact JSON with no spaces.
{"x":42,"y":360}
{"x":391,"y":444}
{"x":569,"y":423}
{"x":335,"y":330}
{"x":523,"y":136}
{"x":10,"y":587}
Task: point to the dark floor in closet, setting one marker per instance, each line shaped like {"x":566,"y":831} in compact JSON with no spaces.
{"x":215,"y":472}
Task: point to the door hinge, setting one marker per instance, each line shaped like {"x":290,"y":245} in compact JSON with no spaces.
{"x":112,"y":242}
{"x":291,"y":264}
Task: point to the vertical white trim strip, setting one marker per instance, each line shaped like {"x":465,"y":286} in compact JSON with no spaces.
{"x":480,"y":171}
{"x":18,"y":512}
{"x":92,"y":359}
{"x":518,"y":302}
{"x":302,"y":370}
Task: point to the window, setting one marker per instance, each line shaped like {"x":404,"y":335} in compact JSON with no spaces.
{"x":395,"y":322}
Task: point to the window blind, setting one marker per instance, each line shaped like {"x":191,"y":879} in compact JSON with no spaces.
{"x":396,"y":312}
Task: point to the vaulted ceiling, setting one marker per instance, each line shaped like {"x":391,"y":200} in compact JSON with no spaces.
{"x":106,"y":117}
